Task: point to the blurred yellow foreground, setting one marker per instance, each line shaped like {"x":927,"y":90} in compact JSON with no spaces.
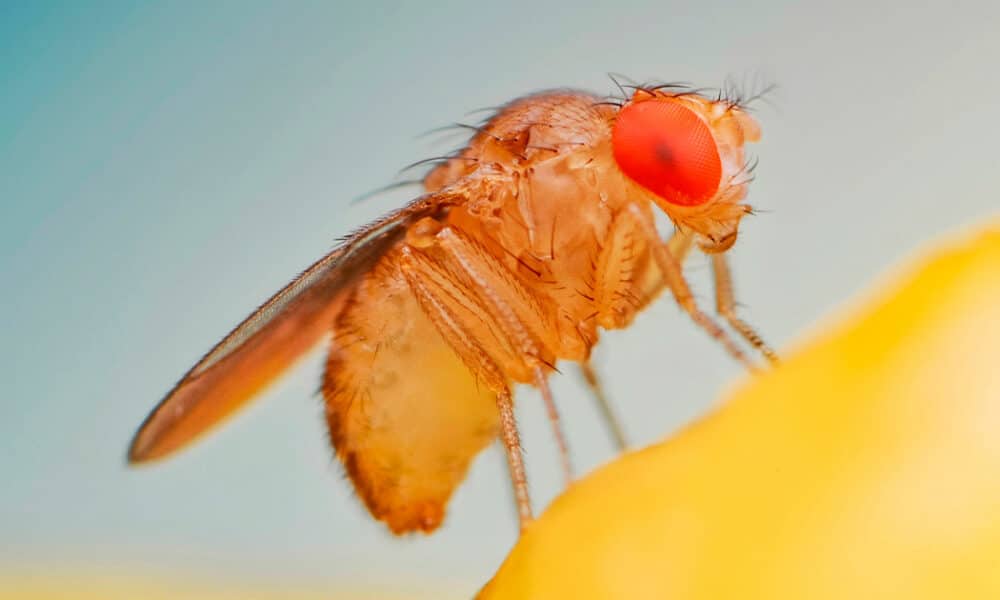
{"x":866,"y":466}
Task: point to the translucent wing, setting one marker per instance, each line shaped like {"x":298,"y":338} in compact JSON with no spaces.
{"x":270,"y":340}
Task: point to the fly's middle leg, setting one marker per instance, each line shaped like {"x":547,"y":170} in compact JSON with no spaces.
{"x":608,"y":415}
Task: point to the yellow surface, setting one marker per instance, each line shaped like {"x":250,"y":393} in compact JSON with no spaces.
{"x":866,"y":466}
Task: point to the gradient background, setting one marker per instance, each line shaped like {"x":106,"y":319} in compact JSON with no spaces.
{"x":163,"y":169}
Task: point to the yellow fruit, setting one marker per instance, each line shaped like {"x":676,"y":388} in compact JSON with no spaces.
{"x":866,"y":466}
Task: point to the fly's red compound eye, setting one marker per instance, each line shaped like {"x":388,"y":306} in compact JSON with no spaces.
{"x":666,"y":148}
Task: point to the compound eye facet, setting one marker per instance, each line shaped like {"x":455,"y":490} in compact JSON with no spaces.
{"x":668,"y":149}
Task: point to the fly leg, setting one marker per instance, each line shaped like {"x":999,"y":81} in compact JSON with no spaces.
{"x":679,"y":244}
{"x":501,"y":329}
{"x":611,"y":420}
{"x":435,"y":305}
{"x":624,"y":284}
{"x":511,"y":307}
{"x":515,"y":458}
{"x":725,"y":305}
{"x":541,"y":382}
{"x":673,"y":275}
{"x":625,"y":280}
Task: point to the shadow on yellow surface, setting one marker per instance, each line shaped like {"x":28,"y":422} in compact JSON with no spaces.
{"x":866,"y":466}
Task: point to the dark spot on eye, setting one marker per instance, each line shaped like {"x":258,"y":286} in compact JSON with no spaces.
{"x":664,"y":153}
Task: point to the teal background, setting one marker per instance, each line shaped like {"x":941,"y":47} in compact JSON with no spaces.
{"x":165,"y":167}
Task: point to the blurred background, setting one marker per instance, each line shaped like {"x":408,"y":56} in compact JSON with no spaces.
{"x":165,"y":168}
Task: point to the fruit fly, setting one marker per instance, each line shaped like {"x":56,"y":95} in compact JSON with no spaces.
{"x":526,"y":243}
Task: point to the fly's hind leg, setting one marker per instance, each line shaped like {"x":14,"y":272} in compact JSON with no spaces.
{"x":725,"y":305}
{"x":480,"y":363}
{"x":499,"y":327}
{"x":521,"y":316}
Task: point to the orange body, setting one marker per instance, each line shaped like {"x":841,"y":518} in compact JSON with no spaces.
{"x":528,"y":242}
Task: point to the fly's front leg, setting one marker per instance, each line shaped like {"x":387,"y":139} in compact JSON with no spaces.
{"x":673,"y":276}
{"x":725,"y":305}
{"x":680,"y":244}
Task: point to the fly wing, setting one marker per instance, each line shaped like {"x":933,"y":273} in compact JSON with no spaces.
{"x":270,"y":340}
